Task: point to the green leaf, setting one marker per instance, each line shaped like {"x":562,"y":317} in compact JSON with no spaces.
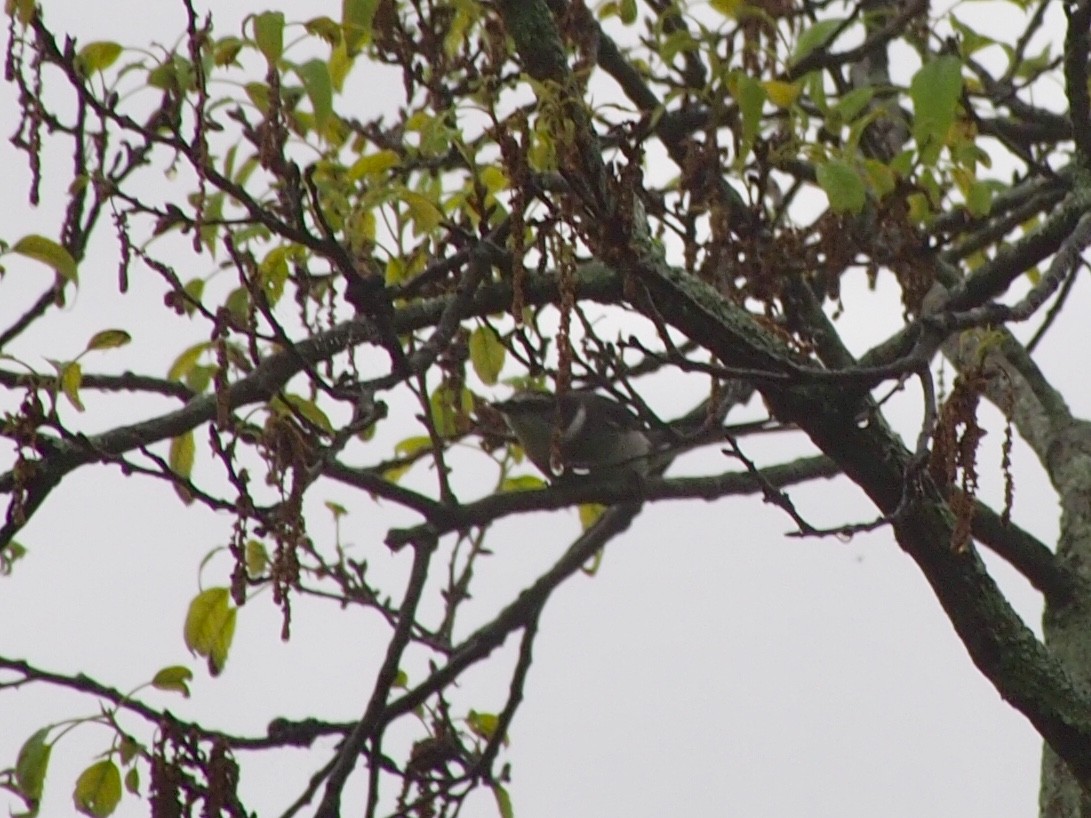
{"x":451,"y":411}
{"x":357,"y":17}
{"x":750,"y":95}
{"x":881,"y":177}
{"x":316,"y":81}
{"x":843,"y":185}
{"x":979,"y":198}
{"x":132,"y":780}
{"x":269,"y":34}
{"x":627,"y":11}
{"x":935,"y":89}
{"x":31,"y":765}
{"x":98,"y":789}
{"x":50,"y":253}
{"x":487,"y":354}
{"x":274,"y":270}
{"x":9,"y":555}
{"x":194,"y":288}
{"x":525,"y":482}
{"x":127,"y":749}
{"x":503,"y":801}
{"x":176,"y":74}
{"x":185,"y":362}
{"x":238,"y":304}
{"x":108,"y":339}
{"x":210,"y":627}
{"x":174,"y":679}
{"x":97,"y":56}
{"x":852,"y":103}
{"x":815,"y":36}
{"x":969,"y":40}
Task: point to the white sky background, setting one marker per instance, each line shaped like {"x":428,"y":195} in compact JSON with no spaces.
{"x":712,"y":667}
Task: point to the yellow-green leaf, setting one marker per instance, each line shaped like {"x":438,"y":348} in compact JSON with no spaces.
{"x":186,"y":361}
{"x":336,"y":509}
{"x":174,"y":679}
{"x":590,"y":513}
{"x":780,"y":93}
{"x":50,"y":253}
{"x":882,"y":178}
{"x":257,"y":558}
{"x":183,"y":450}
{"x":483,"y":724}
{"x":373,"y":163}
{"x":194,"y":288}
{"x":627,"y":11}
{"x":31,"y":765}
{"x":425,"y":214}
{"x":525,"y":482}
{"x":494,"y":179}
{"x":108,"y":339}
{"x":210,"y":626}
{"x":395,"y":473}
{"x":97,"y":56}
{"x":728,"y":8}
{"x":132,"y":780}
{"x":98,"y":789}
{"x":411,"y":445}
{"x":269,"y":34}
{"x":487,"y":354}
{"x":325,"y":28}
{"x":340,"y":64}
{"x":227,"y":51}
{"x":71,"y":378}
{"x":305,"y":408}
{"x":21,"y":10}
{"x":591,"y":567}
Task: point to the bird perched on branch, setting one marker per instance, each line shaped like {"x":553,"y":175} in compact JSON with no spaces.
{"x":596,"y":434}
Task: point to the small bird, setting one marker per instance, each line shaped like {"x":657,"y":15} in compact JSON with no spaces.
{"x":595,"y":434}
